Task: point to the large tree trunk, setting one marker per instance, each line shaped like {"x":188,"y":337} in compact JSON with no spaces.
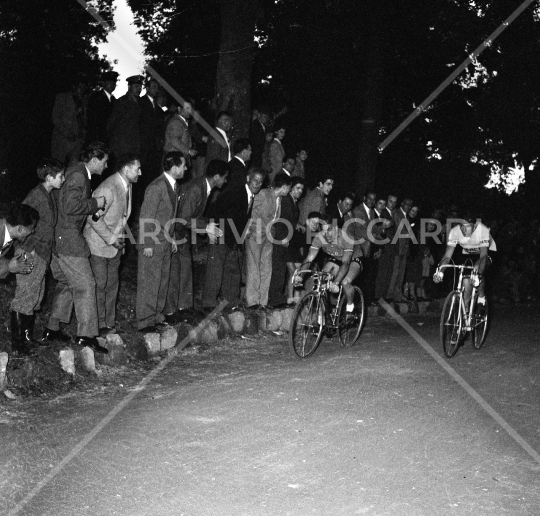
{"x":234,"y":69}
{"x":373,"y":101}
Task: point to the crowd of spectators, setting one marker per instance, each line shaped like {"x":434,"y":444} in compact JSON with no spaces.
{"x":247,"y":197}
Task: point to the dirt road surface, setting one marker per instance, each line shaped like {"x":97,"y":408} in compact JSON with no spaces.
{"x":246,"y":429}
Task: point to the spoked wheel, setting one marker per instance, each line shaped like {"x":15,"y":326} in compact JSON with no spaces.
{"x":451,"y":329}
{"x":350,"y":324}
{"x":480,"y":322}
{"x":307,"y":325}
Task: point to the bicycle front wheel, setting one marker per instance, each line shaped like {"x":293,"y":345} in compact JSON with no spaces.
{"x":307,"y":325}
{"x":451,"y":328}
{"x":350,"y":324}
{"x":481,"y":322}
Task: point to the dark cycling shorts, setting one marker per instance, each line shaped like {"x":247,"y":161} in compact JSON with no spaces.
{"x":470,"y":259}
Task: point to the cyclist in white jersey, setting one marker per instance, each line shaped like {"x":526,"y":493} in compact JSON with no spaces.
{"x":475,"y":241}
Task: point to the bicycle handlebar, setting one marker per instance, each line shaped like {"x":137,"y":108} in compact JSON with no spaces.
{"x":316,"y":274}
{"x":440,"y":267}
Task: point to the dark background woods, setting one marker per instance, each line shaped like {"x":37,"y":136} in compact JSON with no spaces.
{"x":349,"y":73}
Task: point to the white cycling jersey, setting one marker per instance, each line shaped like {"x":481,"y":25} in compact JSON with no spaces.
{"x":480,"y":237}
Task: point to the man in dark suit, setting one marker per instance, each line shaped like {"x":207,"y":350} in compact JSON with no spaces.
{"x":360,"y":230}
{"x":99,"y":109}
{"x":238,"y":168}
{"x":156,"y":243}
{"x":219,"y":144}
{"x":283,"y":232}
{"x":257,"y":135}
{"x":386,"y":261}
{"x":105,"y":237}
{"x":152,"y":121}
{"x":341,"y":212}
{"x":191,"y":206}
{"x":124,"y":129}
{"x":18,"y":225}
{"x":70,"y":263}
{"x":403,"y":232}
{"x":38,"y":247}
{"x":224,"y":264}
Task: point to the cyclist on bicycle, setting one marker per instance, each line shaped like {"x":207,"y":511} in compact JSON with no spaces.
{"x":475,"y":241}
{"x":343,"y":259}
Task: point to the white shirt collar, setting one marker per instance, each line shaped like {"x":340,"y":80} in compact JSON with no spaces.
{"x":224,"y":135}
{"x":88,"y":172}
{"x":151,"y":100}
{"x":170,"y":179}
{"x":277,"y":140}
{"x":403,"y":211}
{"x":109,"y":95}
{"x":186,"y":122}
{"x":378,"y":214}
{"x":241,"y":160}
{"x":7,"y":237}
{"x":284,"y":170}
{"x":366,"y":208}
{"x":208,"y":188}
{"x":249,"y":192}
{"x":340,"y":212}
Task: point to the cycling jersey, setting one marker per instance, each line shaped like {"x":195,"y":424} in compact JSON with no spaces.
{"x":336,"y":247}
{"x":472,"y":244}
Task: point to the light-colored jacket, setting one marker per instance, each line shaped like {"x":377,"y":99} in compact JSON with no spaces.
{"x":266,"y":208}
{"x":177,"y":136}
{"x":102,"y":234}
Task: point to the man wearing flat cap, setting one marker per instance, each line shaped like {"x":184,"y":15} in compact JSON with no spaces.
{"x":124,"y":125}
{"x":99,"y":109}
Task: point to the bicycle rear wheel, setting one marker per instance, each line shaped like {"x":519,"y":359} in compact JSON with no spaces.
{"x":307,"y":325}
{"x":350,"y":324}
{"x":451,"y":327}
{"x":481,"y":323}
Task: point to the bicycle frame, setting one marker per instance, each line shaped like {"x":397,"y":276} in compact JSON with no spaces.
{"x":321,"y":285}
{"x":465,"y":317}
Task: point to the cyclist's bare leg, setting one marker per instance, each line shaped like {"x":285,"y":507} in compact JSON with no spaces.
{"x":352,"y":274}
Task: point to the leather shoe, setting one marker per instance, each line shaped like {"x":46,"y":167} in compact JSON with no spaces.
{"x":162,"y":326}
{"x":92,"y":343}
{"x":173,"y":318}
{"x":105,"y":331}
{"x":49,"y":334}
{"x":281,"y":306}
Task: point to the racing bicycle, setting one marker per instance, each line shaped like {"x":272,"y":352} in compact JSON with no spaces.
{"x":457,"y":319}
{"x":315,"y":315}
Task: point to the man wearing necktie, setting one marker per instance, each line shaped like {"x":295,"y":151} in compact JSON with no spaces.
{"x":105,"y":237}
{"x":219,"y":144}
{"x":156,"y":243}
{"x":363,"y":236}
{"x":233,"y":209}
{"x":266,"y":210}
{"x":152,"y":121}
{"x":192,"y":202}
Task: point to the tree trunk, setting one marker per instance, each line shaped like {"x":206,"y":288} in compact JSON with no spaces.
{"x":373,"y":101}
{"x":234,"y":69}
